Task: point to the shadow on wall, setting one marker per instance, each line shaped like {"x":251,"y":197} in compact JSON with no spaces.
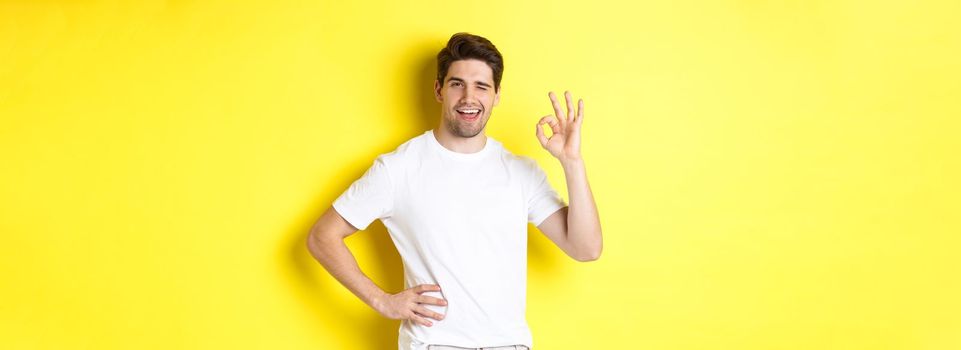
{"x":319,"y":291}
{"x":427,"y":110}
{"x":317,"y":287}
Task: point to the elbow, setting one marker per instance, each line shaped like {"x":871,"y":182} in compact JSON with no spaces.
{"x":590,"y":251}
{"x":312,"y":242}
{"x":591,"y":255}
{"x":316,"y":241}
{"x":319,"y":246}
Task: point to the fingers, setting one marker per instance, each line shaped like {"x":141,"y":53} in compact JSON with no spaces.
{"x":421,"y":320}
{"x":421,"y":288}
{"x":580,"y":111}
{"x":570,"y":106}
{"x":418,"y":313}
{"x":549,"y":120}
{"x":540,"y":133}
{"x":422,"y":311}
{"x":557,"y":107}
{"x":423,"y":299}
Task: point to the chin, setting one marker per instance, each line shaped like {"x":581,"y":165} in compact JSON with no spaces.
{"x":466,"y":132}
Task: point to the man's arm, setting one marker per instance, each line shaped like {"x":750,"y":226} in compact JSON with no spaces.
{"x":326,"y":243}
{"x":575,"y":229}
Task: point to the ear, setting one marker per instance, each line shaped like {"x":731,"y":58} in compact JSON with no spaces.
{"x":497,"y":95}
{"x":437,"y":95}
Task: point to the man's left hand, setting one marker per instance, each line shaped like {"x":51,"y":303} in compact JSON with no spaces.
{"x":565,"y":142}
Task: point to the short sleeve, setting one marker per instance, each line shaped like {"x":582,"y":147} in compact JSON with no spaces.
{"x":542,"y":200}
{"x":369,"y":197}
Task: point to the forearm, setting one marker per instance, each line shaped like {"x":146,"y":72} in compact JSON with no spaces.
{"x":583,"y":222}
{"x":337,"y":259}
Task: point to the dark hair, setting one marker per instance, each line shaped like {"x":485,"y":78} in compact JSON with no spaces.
{"x":462,"y":46}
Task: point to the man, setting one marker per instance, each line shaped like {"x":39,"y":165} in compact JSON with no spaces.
{"x":456,"y":205}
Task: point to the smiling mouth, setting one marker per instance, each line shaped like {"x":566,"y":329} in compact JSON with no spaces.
{"x":469,"y":114}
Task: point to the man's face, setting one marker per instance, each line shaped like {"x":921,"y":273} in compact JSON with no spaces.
{"x":468,"y":87}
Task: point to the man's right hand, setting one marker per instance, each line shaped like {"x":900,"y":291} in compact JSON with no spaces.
{"x":406,"y":305}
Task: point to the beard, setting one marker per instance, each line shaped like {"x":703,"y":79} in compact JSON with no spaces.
{"x":465,"y":129}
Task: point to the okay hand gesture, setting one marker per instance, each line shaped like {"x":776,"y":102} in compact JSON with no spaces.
{"x":565,"y":142}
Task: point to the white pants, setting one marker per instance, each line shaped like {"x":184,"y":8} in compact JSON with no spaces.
{"x":448,"y":347}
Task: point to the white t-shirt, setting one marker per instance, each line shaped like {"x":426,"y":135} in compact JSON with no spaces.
{"x":458,"y":220}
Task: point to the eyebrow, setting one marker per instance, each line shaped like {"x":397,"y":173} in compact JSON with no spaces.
{"x":481,"y":83}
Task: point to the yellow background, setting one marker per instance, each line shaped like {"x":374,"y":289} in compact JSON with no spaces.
{"x":770,"y":175}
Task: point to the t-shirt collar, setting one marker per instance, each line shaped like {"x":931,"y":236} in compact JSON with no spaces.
{"x":488,"y":145}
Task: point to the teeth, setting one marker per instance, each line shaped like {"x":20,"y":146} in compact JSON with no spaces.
{"x":470,"y":111}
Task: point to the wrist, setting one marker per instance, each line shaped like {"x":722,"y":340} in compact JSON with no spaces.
{"x":378,"y":299}
{"x":572,"y":162}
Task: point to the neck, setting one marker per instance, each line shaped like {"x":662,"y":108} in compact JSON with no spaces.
{"x":460,"y":144}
